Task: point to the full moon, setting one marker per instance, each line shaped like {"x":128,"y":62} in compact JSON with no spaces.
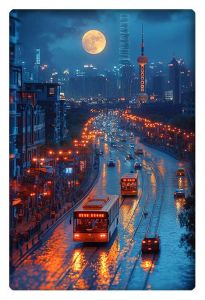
{"x":94,"y":41}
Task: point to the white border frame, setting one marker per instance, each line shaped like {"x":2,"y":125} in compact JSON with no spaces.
{"x":198,"y":6}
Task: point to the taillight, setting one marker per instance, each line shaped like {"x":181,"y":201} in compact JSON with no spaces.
{"x":76,"y":235}
{"x":144,"y":242}
{"x":156,"y":242}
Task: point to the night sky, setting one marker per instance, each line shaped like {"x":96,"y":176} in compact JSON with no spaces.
{"x":58,"y":34}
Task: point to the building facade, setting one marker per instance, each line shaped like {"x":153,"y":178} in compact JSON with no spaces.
{"x":175,"y":80}
{"x":48,"y":97}
{"x":15,"y":85}
{"x":31,"y":133}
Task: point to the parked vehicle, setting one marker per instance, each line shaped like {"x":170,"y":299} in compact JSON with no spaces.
{"x":179,"y":194}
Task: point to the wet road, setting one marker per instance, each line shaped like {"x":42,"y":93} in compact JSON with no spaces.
{"x":61,"y":263}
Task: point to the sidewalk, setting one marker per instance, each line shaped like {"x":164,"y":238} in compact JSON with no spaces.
{"x":20,"y":248}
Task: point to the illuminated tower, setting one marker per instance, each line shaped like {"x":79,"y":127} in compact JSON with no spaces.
{"x":142,"y":61}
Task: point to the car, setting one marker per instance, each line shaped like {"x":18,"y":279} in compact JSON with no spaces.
{"x":180,"y":172}
{"x":123,"y":139}
{"x":179,"y":194}
{"x":113,"y":145}
{"x":139,"y":151}
{"x":111,"y":163}
{"x":129,"y":156}
{"x":101,"y":152}
{"x":151,"y":244}
{"x":138,"y":166}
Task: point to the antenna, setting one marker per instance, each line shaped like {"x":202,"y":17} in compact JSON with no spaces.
{"x":142,"y":45}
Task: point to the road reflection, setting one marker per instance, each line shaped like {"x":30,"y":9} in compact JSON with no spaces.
{"x":62,"y":264}
{"x":148,"y":262}
{"x":180,"y":203}
{"x":118,"y":166}
{"x":106,"y":264}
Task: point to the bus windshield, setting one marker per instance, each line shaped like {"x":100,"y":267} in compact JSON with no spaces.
{"x":90,"y":225}
{"x":128,"y":186}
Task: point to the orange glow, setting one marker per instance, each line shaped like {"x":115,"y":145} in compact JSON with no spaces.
{"x":90,"y":215}
{"x":180,"y":202}
{"x":129,"y":179}
{"x":147,"y":264}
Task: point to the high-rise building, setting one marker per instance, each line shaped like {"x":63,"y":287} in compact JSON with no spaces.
{"x":126,"y":70}
{"x":159,"y":87}
{"x":15,"y":85}
{"x":37,"y":65}
{"x":126,"y":81}
{"x":175,"y":80}
{"x":111,"y":83}
{"x":187,"y":84}
{"x":142,"y":61}
{"x":124,"y":58}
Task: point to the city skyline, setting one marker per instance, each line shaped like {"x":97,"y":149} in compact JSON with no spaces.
{"x":58,"y":34}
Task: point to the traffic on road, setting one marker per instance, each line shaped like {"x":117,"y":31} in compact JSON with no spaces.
{"x":125,"y":234}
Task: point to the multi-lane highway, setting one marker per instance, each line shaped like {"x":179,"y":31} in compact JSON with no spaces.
{"x":60,"y":263}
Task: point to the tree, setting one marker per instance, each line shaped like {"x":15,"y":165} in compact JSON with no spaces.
{"x":187,"y":220}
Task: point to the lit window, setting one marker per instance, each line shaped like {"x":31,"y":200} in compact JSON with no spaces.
{"x":51,"y":91}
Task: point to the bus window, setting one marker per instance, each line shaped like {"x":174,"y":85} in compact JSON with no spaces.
{"x":90,"y":225}
{"x":127,"y":186}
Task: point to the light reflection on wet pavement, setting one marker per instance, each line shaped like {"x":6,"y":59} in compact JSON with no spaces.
{"x":61,"y":263}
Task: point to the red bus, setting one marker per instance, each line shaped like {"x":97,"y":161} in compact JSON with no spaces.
{"x":129,"y":184}
{"x":96,"y":219}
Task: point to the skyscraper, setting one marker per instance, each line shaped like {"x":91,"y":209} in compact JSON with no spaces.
{"x":142,"y":61}
{"x":124,"y":58}
{"x":37,"y":64}
{"x":175,"y":80}
{"x":126,"y":70}
{"x":159,"y":86}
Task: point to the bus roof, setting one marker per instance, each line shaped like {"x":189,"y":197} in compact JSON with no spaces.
{"x":97,"y":203}
{"x":129,"y":175}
